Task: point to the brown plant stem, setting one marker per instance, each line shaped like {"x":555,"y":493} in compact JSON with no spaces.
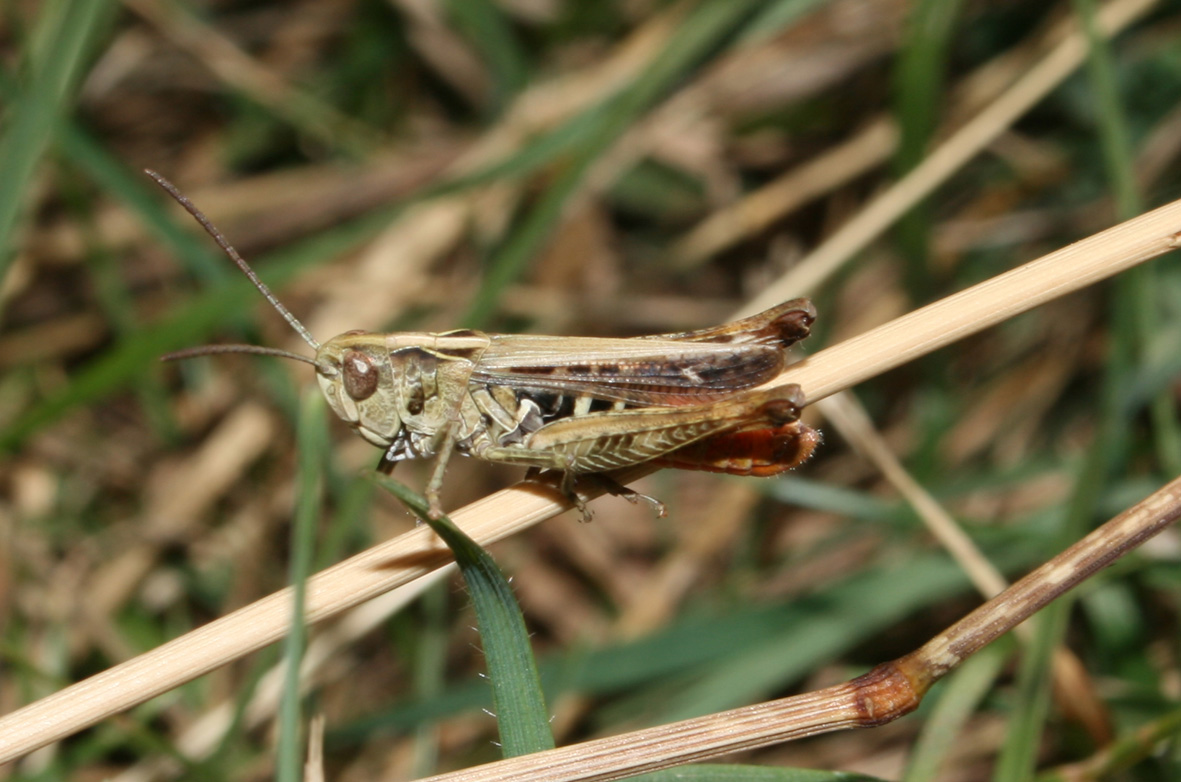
{"x":499,"y":515}
{"x":887,"y":692}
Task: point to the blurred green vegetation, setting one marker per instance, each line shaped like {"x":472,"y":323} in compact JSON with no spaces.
{"x":580,"y":168}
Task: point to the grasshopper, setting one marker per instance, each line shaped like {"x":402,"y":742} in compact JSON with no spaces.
{"x":578,"y":405}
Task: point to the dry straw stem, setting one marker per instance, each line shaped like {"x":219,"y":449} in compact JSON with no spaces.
{"x":946,"y":159}
{"x":202,"y":738}
{"x":885,"y":693}
{"x":1073,"y":692}
{"x":416,"y":553}
{"x":761,"y":208}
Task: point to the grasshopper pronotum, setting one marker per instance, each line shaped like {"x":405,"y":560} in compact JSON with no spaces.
{"x":578,"y":405}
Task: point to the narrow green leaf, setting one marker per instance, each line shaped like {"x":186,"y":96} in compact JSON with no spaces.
{"x":1133,"y":321}
{"x":826,"y":626}
{"x":700,"y":34}
{"x":955,"y":702}
{"x":918,"y":100}
{"x":1023,"y":736}
{"x":1140,"y":284}
{"x":776,"y":17}
{"x":1114,"y":136}
{"x":188,"y":325}
{"x":1129,"y":748}
{"x":485,"y":25}
{"x":712,"y":772}
{"x":430,"y":662}
{"x":699,"y":644}
{"x":312,"y":439}
{"x":65,"y":34}
{"x":142,"y":197}
{"x":517,"y":699}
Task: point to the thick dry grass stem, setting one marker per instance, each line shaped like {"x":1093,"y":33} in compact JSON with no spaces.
{"x":889,"y":691}
{"x":415,"y":554}
{"x":600,"y":169}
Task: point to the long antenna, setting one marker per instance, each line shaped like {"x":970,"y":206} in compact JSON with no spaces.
{"x":258,"y":350}
{"x":211,"y":229}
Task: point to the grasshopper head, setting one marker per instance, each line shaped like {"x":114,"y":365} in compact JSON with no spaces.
{"x":348,"y":366}
{"x":359,"y":385}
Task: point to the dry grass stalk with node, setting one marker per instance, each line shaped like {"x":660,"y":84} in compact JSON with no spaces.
{"x":514,"y":169}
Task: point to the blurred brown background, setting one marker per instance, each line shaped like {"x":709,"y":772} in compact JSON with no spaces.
{"x":564,"y":167}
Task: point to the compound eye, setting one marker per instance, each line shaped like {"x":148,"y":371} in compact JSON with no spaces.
{"x":360,"y":375}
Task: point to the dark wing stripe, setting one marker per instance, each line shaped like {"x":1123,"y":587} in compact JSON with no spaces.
{"x":671,"y":382}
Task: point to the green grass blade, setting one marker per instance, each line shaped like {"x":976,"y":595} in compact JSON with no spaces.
{"x":118,"y":305}
{"x":712,"y":772}
{"x":142,"y":197}
{"x":1140,"y":284}
{"x":1132,"y":324}
{"x":1114,"y":137}
{"x":66,"y":33}
{"x":918,"y":102}
{"x":188,"y":325}
{"x":775,"y":17}
{"x":312,"y":439}
{"x":824,"y":627}
{"x":1018,"y":757}
{"x":517,"y":699}
{"x":1126,"y":751}
{"x":1019,"y":753}
{"x":699,"y":35}
{"x":430,"y":661}
{"x":706,"y":640}
{"x":953,"y":705}
{"x":484,"y":24}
